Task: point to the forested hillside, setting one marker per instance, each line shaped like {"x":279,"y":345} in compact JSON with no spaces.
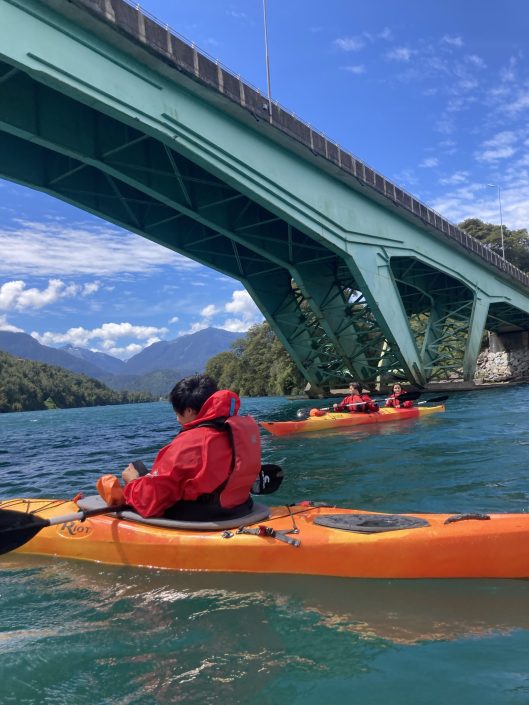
{"x":28,"y":386}
{"x":257,"y":365}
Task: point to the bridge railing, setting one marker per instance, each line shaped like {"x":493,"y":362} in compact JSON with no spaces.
{"x":129,"y":18}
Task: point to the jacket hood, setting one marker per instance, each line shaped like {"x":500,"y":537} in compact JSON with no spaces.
{"x":220,"y":404}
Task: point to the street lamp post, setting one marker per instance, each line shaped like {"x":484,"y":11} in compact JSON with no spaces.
{"x":267,"y":59}
{"x":501,"y":218}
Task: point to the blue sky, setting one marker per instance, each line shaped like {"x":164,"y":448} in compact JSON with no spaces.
{"x":434,"y":95}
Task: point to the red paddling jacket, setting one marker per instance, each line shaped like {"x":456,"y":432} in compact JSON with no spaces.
{"x":396,"y":403}
{"x":207,"y":471}
{"x":356,"y":404}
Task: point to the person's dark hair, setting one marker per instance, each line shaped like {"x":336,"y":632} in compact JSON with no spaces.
{"x":192,"y":392}
{"x":358,"y":387}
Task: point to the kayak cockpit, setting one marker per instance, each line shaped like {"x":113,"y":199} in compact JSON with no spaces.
{"x":260,"y":512}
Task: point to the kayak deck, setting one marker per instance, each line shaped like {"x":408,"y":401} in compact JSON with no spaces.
{"x":341,"y":420}
{"x":492,"y":547}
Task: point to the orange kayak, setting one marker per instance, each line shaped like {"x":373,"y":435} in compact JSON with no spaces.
{"x":337,"y":420}
{"x":330,"y":541}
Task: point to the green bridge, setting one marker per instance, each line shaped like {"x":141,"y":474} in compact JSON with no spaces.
{"x":104,"y":108}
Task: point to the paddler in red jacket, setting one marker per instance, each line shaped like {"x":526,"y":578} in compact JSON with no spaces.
{"x":207,"y":471}
{"x":357,"y":401}
{"x":394,"y":400}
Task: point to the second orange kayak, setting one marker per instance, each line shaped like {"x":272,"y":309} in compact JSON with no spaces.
{"x":336,"y":420}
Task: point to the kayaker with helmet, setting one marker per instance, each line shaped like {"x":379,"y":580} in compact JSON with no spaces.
{"x":357,"y":401}
{"x":394,"y":401}
{"x":207,"y":471}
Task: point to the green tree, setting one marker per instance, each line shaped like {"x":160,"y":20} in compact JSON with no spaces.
{"x":516,"y":242}
{"x":257,"y":365}
{"x":29,"y":386}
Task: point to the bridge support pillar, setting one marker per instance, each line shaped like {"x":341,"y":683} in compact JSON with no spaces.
{"x":325,"y":296}
{"x":275,"y":297}
{"x":371,"y":269}
{"x":478,"y":319}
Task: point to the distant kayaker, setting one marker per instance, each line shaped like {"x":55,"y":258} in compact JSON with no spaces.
{"x":357,"y":402}
{"x":207,"y":471}
{"x":394,"y":400}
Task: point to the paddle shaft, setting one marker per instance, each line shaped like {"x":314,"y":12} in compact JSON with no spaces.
{"x":405,"y":396}
{"x":85,"y":514}
{"x":433,"y":400}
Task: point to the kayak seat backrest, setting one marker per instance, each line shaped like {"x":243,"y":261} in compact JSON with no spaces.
{"x":370,"y":523}
{"x":260,"y":512}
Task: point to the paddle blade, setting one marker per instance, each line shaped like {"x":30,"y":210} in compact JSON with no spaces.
{"x":302,"y":413}
{"x":409,"y":396}
{"x":269,"y":479}
{"x":17,"y":528}
{"x":437,"y":400}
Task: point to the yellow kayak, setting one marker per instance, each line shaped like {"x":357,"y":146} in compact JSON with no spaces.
{"x":342,"y":420}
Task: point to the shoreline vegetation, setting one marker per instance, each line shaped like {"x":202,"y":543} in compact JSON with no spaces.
{"x":257,"y":366}
{"x":34,"y":386}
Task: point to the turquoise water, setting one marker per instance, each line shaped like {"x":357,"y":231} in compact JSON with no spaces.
{"x":86,"y":634}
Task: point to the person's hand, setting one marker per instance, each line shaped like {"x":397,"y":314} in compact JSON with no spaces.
{"x":130,"y":473}
{"x":335,"y":407}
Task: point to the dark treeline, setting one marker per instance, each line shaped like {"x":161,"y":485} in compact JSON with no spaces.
{"x":258,"y":365}
{"x":516,"y":242}
{"x":29,"y":386}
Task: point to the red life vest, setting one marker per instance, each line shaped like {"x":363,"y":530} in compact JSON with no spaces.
{"x":245,"y":441}
{"x":246,"y":444}
{"x":396,"y":403}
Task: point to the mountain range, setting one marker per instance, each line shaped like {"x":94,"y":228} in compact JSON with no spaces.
{"x":155,"y":369}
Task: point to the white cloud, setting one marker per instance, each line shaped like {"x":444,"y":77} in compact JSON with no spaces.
{"x":194,"y":328}
{"x":15,"y":296}
{"x":508,"y":74}
{"x":350,"y":43}
{"x":126,"y":351}
{"x":490,"y":155}
{"x":209,"y":311}
{"x":476,"y":60}
{"x":106,"y":336}
{"x":475,"y":200}
{"x":501,"y":146}
{"x":174,"y":319}
{"x":54,"y":248}
{"x":520,"y":103}
{"x":90,"y":288}
{"x":244,"y":315}
{"x":242,"y":304}
{"x":236,"y":325}
{"x":399,"y":54}
{"x":356,"y":69}
{"x":459,"y":177}
{"x":4,"y":325}
{"x":429,"y":162}
{"x":246,"y":312}
{"x":453,"y":41}
{"x":384,"y":34}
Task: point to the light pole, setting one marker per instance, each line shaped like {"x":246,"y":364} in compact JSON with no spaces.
{"x":267,"y":60}
{"x":501,"y":218}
